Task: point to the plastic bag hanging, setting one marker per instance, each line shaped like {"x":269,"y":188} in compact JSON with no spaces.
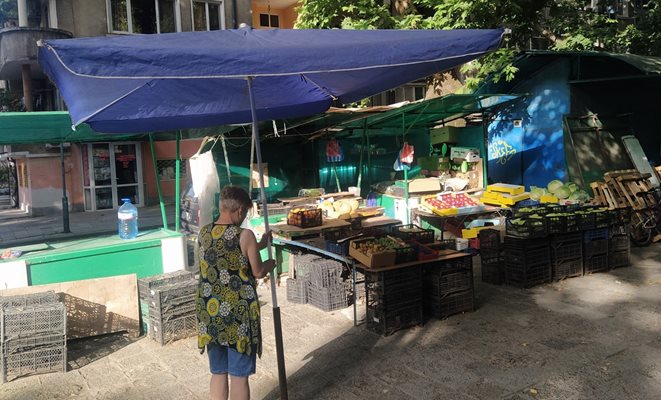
{"x":334,"y":152}
{"x":406,"y":154}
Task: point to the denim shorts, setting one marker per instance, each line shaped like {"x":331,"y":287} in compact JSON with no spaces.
{"x":223,"y":360}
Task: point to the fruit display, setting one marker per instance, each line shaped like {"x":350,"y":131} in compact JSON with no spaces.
{"x":374,"y":253}
{"x":339,"y":208}
{"x":372,"y":246}
{"x":304,"y":217}
{"x":557,"y":191}
{"x":450,"y":204}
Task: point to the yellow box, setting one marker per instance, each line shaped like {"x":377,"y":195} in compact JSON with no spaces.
{"x":471,"y":233}
{"x":506,"y":188}
{"x":547,"y":198}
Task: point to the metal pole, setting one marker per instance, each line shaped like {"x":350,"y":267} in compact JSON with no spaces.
{"x":177,"y":165}
{"x":406,"y":177}
{"x":277,"y":321}
{"x":158,"y":182}
{"x":65,"y":200}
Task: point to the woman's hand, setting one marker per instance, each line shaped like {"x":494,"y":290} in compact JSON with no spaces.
{"x":267,"y":238}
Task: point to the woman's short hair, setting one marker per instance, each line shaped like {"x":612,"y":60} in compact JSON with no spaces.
{"x":232,"y":198}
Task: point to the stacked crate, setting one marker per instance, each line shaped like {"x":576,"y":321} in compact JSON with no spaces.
{"x":32,"y":335}
{"x":527,"y":261}
{"x":566,"y":255}
{"x":448,"y":287}
{"x":491,"y":257}
{"x":326,"y":289}
{"x":595,"y":250}
{"x":169,"y":304}
{"x":619,"y":247}
{"x":299,"y":277}
{"x":393,"y":299}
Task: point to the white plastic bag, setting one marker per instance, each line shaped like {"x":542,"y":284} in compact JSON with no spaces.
{"x":206,"y":184}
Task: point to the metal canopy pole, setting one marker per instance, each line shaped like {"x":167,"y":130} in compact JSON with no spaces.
{"x":277,"y":321}
{"x":406,"y":176}
{"x":177,"y":166}
{"x":158,"y":182}
{"x":65,"y":200}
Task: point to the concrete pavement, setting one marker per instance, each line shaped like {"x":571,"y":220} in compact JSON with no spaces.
{"x":595,"y":337}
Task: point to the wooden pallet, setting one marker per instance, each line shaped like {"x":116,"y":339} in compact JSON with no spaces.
{"x":624,"y":187}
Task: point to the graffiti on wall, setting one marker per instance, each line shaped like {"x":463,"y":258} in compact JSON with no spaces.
{"x":501,"y":151}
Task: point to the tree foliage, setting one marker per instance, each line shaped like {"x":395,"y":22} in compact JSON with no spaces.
{"x":562,"y":25}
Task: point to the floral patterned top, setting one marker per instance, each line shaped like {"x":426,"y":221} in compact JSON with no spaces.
{"x":227,"y":306}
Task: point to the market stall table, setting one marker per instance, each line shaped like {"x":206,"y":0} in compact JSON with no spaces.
{"x":419,"y":216}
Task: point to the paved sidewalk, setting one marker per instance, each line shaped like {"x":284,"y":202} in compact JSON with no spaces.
{"x":17,"y":228}
{"x":595,"y":337}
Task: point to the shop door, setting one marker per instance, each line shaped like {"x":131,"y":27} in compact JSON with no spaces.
{"x":111,"y":172}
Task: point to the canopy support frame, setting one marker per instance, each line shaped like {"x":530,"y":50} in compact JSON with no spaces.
{"x":158,"y":181}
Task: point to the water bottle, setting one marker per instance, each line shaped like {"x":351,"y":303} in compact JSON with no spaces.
{"x":127,"y":220}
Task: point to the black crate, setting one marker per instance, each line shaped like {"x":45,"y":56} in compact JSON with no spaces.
{"x":595,"y":264}
{"x":619,"y":230}
{"x":441,"y":284}
{"x":489,"y":254}
{"x":619,"y":243}
{"x":527,"y":256}
{"x":618,"y":259}
{"x":405,"y":254}
{"x":567,"y":269}
{"x":596,"y":234}
{"x":530,"y":228}
{"x":565,"y":251}
{"x":443,"y":307}
{"x":557,"y":240}
{"x":525,"y":243}
{"x":389,"y":288}
{"x":489,"y":239}
{"x":297,"y":291}
{"x":527,"y":275}
{"x":328,"y":298}
{"x":387,"y":321}
{"x":417,"y":233}
{"x":595,"y":247}
{"x":493,"y":270}
{"x":586,"y":220}
{"x":340,"y":248}
{"x":622,"y":216}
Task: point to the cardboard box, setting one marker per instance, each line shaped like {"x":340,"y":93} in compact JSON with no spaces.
{"x":424,"y":185}
{"x":464,"y":153}
{"x":375,"y":260}
{"x":444,"y":134}
{"x":506,"y":188}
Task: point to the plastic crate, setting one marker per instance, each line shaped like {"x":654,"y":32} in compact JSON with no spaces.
{"x":33,"y":320}
{"x":27,"y":300}
{"x":446,"y":306}
{"x":531,"y":228}
{"x":297,"y":291}
{"x":527,"y":275}
{"x":328,"y":298}
{"x":36,"y":360}
{"x":170,"y":296}
{"x":595,"y":264}
{"x":602,"y":219}
{"x":175,"y":329}
{"x":618,"y":259}
{"x":567,"y":269}
{"x":493,"y":270}
{"x":146,"y":284}
{"x":325,"y":273}
{"x":586,"y":220}
{"x":619,"y":230}
{"x":561,"y":223}
{"x":512,"y":242}
{"x":527,"y":256}
{"x":389,"y":288}
{"x":565,"y":251}
{"x":447,"y":283}
{"x":527,"y":203}
{"x":418,"y":234}
{"x":307,"y":218}
{"x":619,"y":243}
{"x":596,"y":234}
{"x":341,"y":248}
{"x":622,"y":216}
{"x":12,"y":346}
{"x":405,"y":254}
{"x":558,"y":240}
{"x":595,"y":247}
{"x":489,"y":239}
{"x":387,"y":321}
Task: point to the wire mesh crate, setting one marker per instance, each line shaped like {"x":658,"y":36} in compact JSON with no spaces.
{"x":328,"y":298}
{"x":26,"y":300}
{"x":595,"y":263}
{"x":489,"y":240}
{"x":386,"y":321}
{"x":302,"y":264}
{"x":527,"y":256}
{"x":619,"y":243}
{"x":29,"y":321}
{"x":168,"y":297}
{"x":34,"y":360}
{"x":567,"y":268}
{"x":389,"y":288}
{"x":412,"y":231}
{"x":449,"y":305}
{"x":168,"y":331}
{"x":297,"y":291}
{"x":619,"y":259}
{"x":513,"y":242}
{"x":325,"y":273}
{"x":145,"y":285}
{"x":493,"y":270}
{"x":526,"y":228}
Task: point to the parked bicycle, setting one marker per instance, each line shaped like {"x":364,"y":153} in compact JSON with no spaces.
{"x":646,"y":222}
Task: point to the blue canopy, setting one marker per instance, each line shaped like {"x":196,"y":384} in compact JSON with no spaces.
{"x":140,"y":83}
